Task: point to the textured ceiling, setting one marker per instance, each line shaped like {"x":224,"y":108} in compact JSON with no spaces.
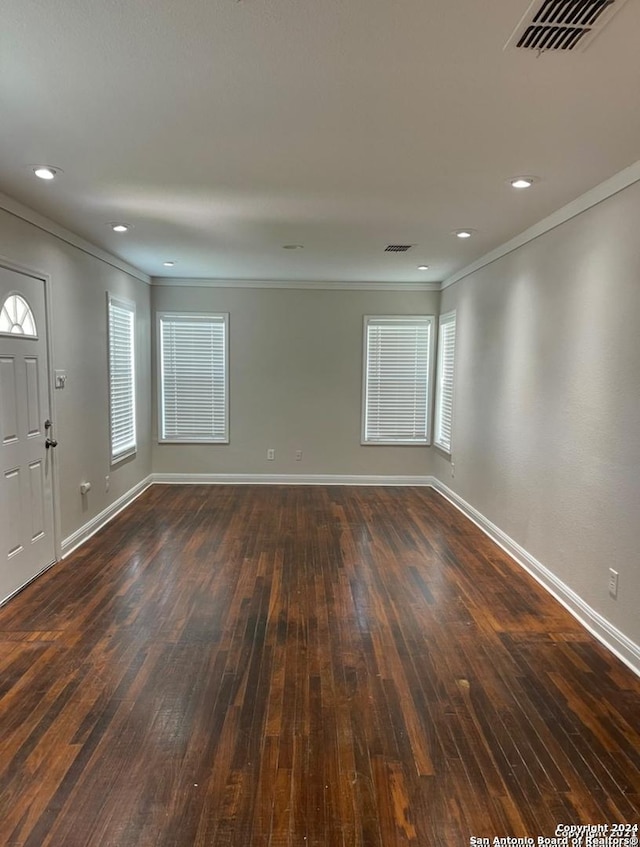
{"x":223,"y":130}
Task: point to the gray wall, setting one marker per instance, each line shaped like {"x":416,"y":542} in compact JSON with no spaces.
{"x":295,"y":381}
{"x":546,"y":436}
{"x":78,"y":287}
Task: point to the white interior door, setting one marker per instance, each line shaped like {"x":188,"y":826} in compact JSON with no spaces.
{"x":26,"y":464}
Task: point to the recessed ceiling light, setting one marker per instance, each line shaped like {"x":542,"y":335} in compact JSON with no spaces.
{"x":118,"y":226}
{"x":168,"y":264}
{"x":45,"y":171}
{"x":522,"y":181}
{"x":463,"y":233}
{"x":423,"y":267}
{"x":293,"y":247}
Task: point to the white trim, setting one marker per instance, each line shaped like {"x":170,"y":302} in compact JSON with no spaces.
{"x":285,"y":479}
{"x":73,"y":541}
{"x":596,"y":195}
{"x":8,"y":204}
{"x":611,"y":637}
{"x":586,"y":201}
{"x":311,"y":285}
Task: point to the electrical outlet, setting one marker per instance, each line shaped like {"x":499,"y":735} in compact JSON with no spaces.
{"x":453,"y":470}
{"x":271,"y":454}
{"x":613,"y":583}
{"x":107,"y":482}
{"x":298,"y":455}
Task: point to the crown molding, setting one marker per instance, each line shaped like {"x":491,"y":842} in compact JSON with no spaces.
{"x":13,"y":207}
{"x":586,"y":201}
{"x":310,"y":285}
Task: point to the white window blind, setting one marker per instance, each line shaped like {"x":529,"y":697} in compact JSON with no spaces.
{"x":193,"y":378}
{"x":397,"y":365}
{"x":122,"y":400}
{"x":444,"y":383}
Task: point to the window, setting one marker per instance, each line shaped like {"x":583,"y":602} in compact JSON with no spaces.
{"x":444,"y":381}
{"x":16,"y":317}
{"x":122,"y":392}
{"x":193,"y":378}
{"x":396,"y":389}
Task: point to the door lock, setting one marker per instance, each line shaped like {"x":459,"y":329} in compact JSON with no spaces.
{"x":49,"y":442}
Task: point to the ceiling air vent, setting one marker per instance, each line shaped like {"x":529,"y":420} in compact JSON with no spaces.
{"x":397,"y":248}
{"x":562,"y":24}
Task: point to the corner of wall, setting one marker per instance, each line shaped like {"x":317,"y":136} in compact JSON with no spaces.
{"x":611,"y":637}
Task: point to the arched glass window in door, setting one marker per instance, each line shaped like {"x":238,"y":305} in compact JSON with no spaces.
{"x":16,"y":317}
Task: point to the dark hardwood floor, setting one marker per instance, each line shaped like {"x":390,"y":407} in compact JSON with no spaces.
{"x":258,"y":666}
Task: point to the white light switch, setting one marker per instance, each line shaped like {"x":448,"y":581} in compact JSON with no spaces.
{"x":61,"y":379}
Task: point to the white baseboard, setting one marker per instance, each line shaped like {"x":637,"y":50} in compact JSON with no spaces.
{"x":285,"y":479}
{"x":612,"y":638}
{"x":73,"y":541}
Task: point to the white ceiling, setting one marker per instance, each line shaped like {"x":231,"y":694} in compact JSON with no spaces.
{"x":223,"y":130}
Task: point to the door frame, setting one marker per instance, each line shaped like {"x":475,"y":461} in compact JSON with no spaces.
{"x":25,"y":270}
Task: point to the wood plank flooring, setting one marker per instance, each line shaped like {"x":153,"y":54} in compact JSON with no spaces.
{"x":268,"y":666}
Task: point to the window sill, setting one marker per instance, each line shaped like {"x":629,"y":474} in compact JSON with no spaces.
{"x":443,"y":448}
{"x":395,"y":443}
{"x":192,"y":441}
{"x":115,"y":460}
